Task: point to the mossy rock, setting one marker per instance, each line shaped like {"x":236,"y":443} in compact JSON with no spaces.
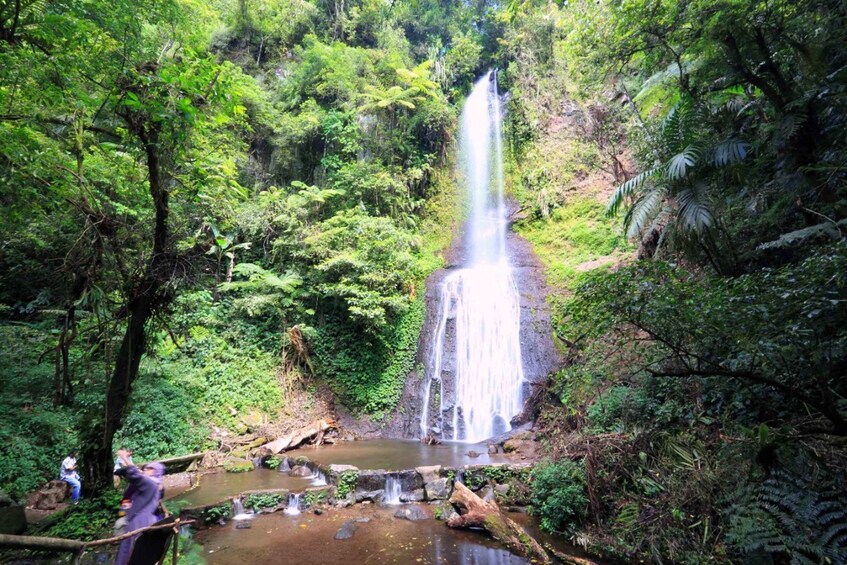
{"x":234,"y":465}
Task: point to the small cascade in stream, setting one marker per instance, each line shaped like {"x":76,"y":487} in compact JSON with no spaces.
{"x":319,"y":479}
{"x":476,"y":356}
{"x":393,"y":489}
{"x":238,"y":512}
{"x":293,"y":508}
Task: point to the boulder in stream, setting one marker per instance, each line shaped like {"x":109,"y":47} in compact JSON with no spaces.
{"x":439,"y":489}
{"x":413,"y":513}
{"x":300,"y":471}
{"x":346,"y":530}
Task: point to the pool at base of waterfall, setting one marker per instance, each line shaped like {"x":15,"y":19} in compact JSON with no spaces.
{"x":397,"y":455}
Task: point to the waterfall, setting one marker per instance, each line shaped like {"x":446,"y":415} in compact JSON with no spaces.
{"x":479,"y":313}
{"x":285,"y":466}
{"x":318,"y":479}
{"x":392,"y":489}
{"x":238,"y":512}
{"x":293,"y":508}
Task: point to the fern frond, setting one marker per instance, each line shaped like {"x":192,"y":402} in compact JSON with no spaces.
{"x":627,"y":189}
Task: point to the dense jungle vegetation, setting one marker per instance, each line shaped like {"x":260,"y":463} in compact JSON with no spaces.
{"x":215,"y":210}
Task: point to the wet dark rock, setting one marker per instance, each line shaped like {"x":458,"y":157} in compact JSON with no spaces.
{"x":410,"y":480}
{"x":371,"y":480}
{"x":369,"y":496}
{"x":538,"y":352}
{"x":417,"y":495}
{"x":243,"y":524}
{"x":346,"y":530}
{"x":439,"y":489}
{"x":414,"y":513}
{"x":318,"y":511}
{"x":473,"y":453}
{"x":12,"y":516}
{"x":486,"y":493}
{"x":493,"y":449}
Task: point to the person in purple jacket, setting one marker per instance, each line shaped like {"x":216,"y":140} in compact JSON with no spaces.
{"x":146,"y":485}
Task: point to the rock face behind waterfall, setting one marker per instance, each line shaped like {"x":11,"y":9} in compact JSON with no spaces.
{"x":539,"y":354}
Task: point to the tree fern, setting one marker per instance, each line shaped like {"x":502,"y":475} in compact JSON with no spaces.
{"x":784,"y":515}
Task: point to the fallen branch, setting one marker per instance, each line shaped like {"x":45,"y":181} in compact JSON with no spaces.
{"x":61,"y":544}
{"x":297,"y":437}
{"x":487,"y":515}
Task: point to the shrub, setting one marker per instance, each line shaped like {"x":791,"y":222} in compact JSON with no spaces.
{"x":558,"y":494}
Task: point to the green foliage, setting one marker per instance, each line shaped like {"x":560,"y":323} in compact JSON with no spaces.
{"x":775,"y":330}
{"x":87,"y":520}
{"x":219,"y":513}
{"x":237,"y":466}
{"x":273,"y":462}
{"x":558,"y":494}
{"x":346,"y":484}
{"x":258,"y":501}
{"x":786,"y":515}
{"x":164,"y":419}
{"x":603,"y":415}
{"x":369,"y":373}
{"x":36,"y":435}
{"x":314,"y":498}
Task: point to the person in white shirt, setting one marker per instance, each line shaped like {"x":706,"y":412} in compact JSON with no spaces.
{"x":69,"y":475}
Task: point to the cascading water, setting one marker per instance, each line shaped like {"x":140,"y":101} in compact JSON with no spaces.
{"x":238,"y":512}
{"x":318,"y":479}
{"x":293,"y":508}
{"x":393,"y":489}
{"x":480,"y":305}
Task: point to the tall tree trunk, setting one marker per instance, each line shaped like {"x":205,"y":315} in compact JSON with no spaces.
{"x":146,"y":296}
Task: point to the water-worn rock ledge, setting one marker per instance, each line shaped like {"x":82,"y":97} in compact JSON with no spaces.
{"x":348,"y":485}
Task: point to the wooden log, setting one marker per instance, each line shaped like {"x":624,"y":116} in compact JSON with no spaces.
{"x":567,"y":558}
{"x":174,"y":463}
{"x":61,"y":544}
{"x":297,"y":437}
{"x":39,"y":542}
{"x":484,"y":514}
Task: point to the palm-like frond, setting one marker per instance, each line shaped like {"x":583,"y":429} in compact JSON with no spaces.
{"x":681,"y":164}
{"x":693,"y":211}
{"x":729,"y":152}
{"x":628,"y":188}
{"x":642,"y":212}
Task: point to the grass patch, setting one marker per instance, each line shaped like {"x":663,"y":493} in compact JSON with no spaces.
{"x":573,"y":235}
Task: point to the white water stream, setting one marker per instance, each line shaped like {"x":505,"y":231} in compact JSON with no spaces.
{"x":481,"y":298}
